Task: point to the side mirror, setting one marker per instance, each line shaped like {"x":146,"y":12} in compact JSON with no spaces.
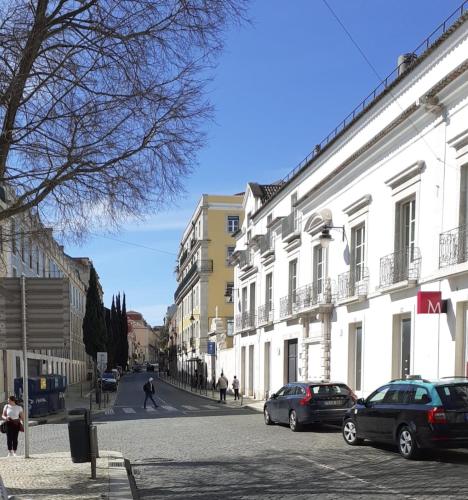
{"x":273,"y":396}
{"x":361,"y":401}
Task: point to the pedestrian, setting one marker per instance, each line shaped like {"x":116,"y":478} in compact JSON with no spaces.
{"x":223,"y":384}
{"x":13,"y":419}
{"x":235,"y":386}
{"x":149,"y":391}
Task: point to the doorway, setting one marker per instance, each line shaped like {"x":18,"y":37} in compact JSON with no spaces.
{"x":292,"y":361}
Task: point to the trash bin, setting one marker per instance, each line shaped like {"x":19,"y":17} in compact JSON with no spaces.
{"x":79,"y":421}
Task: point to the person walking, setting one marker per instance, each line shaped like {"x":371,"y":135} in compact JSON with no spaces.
{"x":13,"y":418}
{"x":223,"y":384}
{"x":149,"y":391}
{"x":235,"y":386}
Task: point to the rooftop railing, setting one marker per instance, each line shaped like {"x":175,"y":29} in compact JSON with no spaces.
{"x":400,"y":266}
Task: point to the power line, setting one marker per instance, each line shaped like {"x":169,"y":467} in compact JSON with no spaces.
{"x":133,"y":244}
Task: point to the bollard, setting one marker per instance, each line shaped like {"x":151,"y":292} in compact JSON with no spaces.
{"x":93,"y":445}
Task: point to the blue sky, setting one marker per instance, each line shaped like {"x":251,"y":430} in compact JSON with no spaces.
{"x":281,"y":85}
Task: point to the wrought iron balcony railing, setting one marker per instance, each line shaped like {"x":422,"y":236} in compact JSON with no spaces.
{"x":245,"y":259}
{"x":305,"y":298}
{"x":291,"y":225}
{"x":200,"y":266}
{"x":453,"y":246}
{"x":245,"y":321}
{"x":400,"y":266}
{"x":265,"y":314}
{"x":354,"y":283}
{"x":266,"y":243}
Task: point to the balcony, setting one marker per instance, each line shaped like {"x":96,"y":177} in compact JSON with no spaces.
{"x":183,"y":257}
{"x":400,"y":268}
{"x":266,"y":244}
{"x":245,"y":321}
{"x":353,"y":285}
{"x":453,"y":247}
{"x":265,"y":315}
{"x":306,"y":298}
{"x":245,"y":260}
{"x":291,"y":227}
{"x":201,"y":266}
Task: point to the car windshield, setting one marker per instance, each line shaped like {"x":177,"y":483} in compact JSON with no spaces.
{"x":108,"y":375}
{"x":454,"y":396}
{"x":330,"y":390}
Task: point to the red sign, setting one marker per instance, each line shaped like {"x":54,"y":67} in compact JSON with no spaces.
{"x":431,"y":303}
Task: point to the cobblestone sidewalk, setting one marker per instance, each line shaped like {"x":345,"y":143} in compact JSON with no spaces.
{"x":53,"y":476}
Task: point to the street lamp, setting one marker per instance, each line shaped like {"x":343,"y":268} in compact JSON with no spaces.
{"x":325,"y":237}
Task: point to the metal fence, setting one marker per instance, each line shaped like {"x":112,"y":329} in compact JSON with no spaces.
{"x":453,"y":246}
{"x":266,"y":243}
{"x":245,"y":320}
{"x":400,"y":266}
{"x":265,"y":314}
{"x":245,"y":259}
{"x":305,"y":298}
{"x":354,"y":283}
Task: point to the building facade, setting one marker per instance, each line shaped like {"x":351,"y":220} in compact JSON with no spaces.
{"x":29,"y":249}
{"x":331,"y":262}
{"x":142,"y":339}
{"x":205,"y":280}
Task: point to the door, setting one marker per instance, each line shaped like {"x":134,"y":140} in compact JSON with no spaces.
{"x":367,"y":415}
{"x":292,"y":360}
{"x":284,"y":403}
{"x":405,"y":347}
{"x":242,"y":387}
{"x":387,"y":413}
{"x":274,"y":403}
{"x":251,"y":370}
{"x":266,"y":368}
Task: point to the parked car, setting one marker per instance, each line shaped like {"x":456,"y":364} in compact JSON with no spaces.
{"x":108,"y":381}
{"x":137,"y":368}
{"x":116,"y":373}
{"x":149,"y":367}
{"x":302,"y":403}
{"x":413,"y":414}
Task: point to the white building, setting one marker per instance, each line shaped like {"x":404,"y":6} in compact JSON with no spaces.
{"x":388,"y":190}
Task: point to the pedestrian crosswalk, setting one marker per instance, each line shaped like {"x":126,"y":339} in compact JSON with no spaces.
{"x":162,"y":409}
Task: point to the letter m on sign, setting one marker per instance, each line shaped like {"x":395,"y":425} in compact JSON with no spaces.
{"x":430,"y":303}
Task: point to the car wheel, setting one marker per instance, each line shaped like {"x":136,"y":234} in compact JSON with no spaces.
{"x":266,"y":416}
{"x":350,"y":433}
{"x":407,"y":445}
{"x":294,"y":425}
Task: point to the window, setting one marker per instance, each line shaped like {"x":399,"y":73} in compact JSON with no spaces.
{"x":229,"y":294}
{"x":229,"y":252}
{"x":249,"y":236}
{"x":396,"y":394}
{"x":268,"y":294}
{"x":358,"y":238}
{"x":15,"y":272}
{"x":22,"y":246}
{"x":378,"y":395}
{"x":232,"y":223}
{"x":294,"y":209}
{"x":319,"y":269}
{"x":418,"y":395}
{"x":292,"y":283}
{"x":244,"y":300}
{"x":269,"y":219}
{"x":406,"y":228}
{"x":14,"y":248}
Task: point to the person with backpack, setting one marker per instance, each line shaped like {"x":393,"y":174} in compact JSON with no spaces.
{"x":149,"y":391}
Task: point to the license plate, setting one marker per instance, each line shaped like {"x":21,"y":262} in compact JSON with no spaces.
{"x":332,"y":403}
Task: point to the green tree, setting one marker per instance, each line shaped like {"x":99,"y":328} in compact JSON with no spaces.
{"x":124,"y":333}
{"x":94,"y":325}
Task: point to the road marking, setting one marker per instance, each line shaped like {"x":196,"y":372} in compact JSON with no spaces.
{"x":357,"y":478}
{"x":190,"y":408}
{"x":128,"y":410}
{"x":211,"y":407}
{"x":150,"y":408}
{"x":169,"y":408}
{"x":109,"y":411}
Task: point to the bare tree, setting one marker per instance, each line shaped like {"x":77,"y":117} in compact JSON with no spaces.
{"x":102,"y":102}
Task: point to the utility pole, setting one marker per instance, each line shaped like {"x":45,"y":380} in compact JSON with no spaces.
{"x":25,"y":370}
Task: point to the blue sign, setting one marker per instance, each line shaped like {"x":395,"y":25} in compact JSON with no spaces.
{"x":212,"y":348}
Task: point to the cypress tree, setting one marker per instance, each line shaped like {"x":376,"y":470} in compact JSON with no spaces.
{"x":94,"y":325}
{"x":124,"y":332}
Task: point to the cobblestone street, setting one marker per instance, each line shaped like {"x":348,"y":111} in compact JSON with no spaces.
{"x":201,"y":452}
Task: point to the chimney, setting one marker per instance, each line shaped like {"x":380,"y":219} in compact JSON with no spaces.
{"x":405,"y":61}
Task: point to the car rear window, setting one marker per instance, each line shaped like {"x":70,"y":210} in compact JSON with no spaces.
{"x":330,"y":389}
{"x":454,"y":396}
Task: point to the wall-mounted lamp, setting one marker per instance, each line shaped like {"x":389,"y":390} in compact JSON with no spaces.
{"x":326,"y":237}
{"x":192,"y":318}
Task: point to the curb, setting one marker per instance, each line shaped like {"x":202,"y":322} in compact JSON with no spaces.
{"x":248,"y":406}
{"x":120,"y":478}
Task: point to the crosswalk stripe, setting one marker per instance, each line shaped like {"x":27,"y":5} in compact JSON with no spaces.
{"x":191,"y":408}
{"x":150,"y":409}
{"x":169,"y":408}
{"x":128,"y":410}
{"x":211,"y":407}
{"x":109,"y":411}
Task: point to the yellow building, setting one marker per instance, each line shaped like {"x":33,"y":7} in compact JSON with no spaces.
{"x":205,"y":276}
